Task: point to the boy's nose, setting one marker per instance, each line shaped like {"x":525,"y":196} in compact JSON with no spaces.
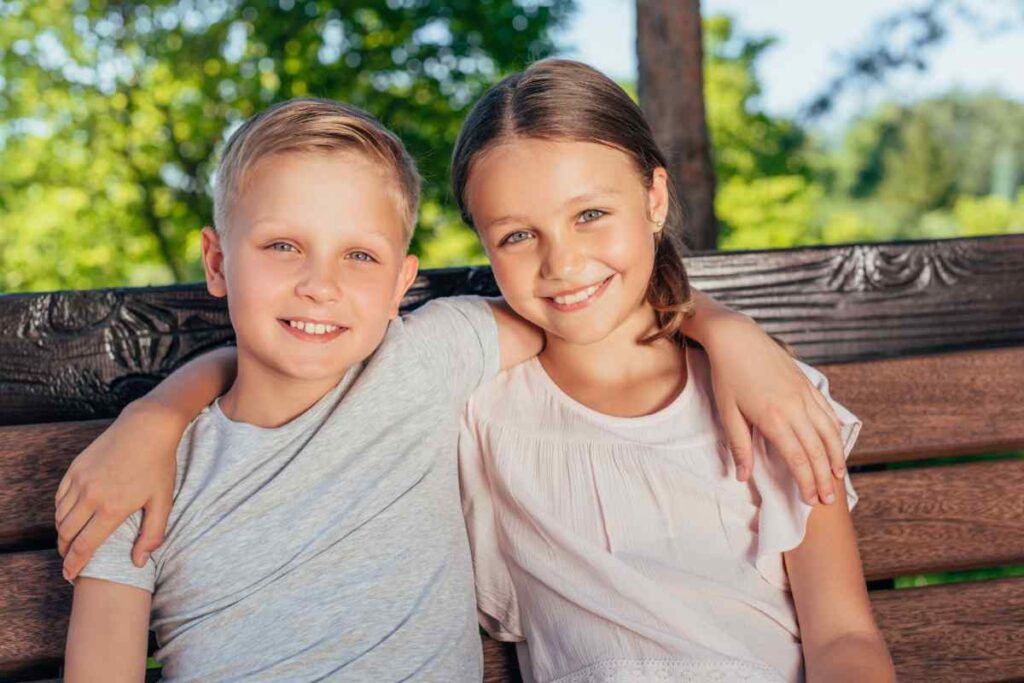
{"x":319,"y":284}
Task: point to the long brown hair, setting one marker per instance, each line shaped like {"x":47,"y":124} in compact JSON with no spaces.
{"x":559,"y":99}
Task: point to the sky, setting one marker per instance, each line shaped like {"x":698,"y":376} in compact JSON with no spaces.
{"x":812,"y":35}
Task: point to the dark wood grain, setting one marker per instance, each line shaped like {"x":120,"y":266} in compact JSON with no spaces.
{"x":83,"y":355}
{"x":932,"y":406}
{"x":35,"y":602}
{"x":33,"y":459}
{"x":913,"y":521}
{"x":957,"y":632}
{"x":500,"y":664}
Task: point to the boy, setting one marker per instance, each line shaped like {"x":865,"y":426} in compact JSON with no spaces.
{"x":320,"y":532}
{"x":317,"y":534}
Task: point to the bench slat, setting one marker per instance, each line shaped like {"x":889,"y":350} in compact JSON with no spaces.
{"x":35,"y":601}
{"x":956,"y":632}
{"x":934,"y":406}
{"x":83,"y":355}
{"x":950,"y":517}
{"x":33,"y":459}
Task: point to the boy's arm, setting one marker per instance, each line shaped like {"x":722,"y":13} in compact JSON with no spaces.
{"x":131,"y":466}
{"x":108,"y":633}
{"x":758,"y":384}
{"x":518,"y":340}
{"x":841,"y":641}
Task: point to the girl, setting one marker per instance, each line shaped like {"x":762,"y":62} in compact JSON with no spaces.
{"x":610,"y":537}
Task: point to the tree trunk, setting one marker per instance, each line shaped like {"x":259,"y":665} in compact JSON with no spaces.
{"x":670,"y":53}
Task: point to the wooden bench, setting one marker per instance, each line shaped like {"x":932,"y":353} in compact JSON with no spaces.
{"x":924,"y":341}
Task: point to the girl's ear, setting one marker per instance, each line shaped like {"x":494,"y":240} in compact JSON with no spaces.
{"x":213,"y":263}
{"x":657,"y":199}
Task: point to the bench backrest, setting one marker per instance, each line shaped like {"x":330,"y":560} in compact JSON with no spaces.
{"x":924,"y":341}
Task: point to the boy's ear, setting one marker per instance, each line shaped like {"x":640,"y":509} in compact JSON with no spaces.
{"x":407,"y":276}
{"x":657,"y":198}
{"x":213,"y":263}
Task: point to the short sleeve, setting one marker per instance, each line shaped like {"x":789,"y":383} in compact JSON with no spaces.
{"x":458,"y":339}
{"x":112,"y":561}
{"x":783,"y":515}
{"x":497,"y":607}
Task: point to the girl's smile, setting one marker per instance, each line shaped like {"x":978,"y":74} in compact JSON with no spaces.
{"x":576,"y":299}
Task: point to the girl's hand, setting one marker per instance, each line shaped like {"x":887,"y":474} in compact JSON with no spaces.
{"x":758,"y":384}
{"x":131,"y":466}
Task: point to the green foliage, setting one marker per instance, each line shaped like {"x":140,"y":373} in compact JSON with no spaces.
{"x":943,"y":167}
{"x":111,"y":113}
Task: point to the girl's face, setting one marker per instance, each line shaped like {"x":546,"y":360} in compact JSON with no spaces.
{"x":570,"y":231}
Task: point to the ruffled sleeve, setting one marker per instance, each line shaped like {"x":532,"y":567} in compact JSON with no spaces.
{"x":782,"y":520}
{"x":497,"y":607}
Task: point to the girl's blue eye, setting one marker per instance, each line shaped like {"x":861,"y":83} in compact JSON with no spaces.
{"x":281,"y":246}
{"x":516,"y":237}
{"x":590,"y":215}
{"x":361,"y":256}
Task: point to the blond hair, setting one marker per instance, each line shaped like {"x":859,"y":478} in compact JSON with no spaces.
{"x":314,"y":125}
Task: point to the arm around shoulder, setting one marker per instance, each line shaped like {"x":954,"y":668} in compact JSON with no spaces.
{"x":841,"y":641}
{"x":108,"y":633}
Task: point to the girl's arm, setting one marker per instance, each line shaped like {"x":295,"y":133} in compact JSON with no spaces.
{"x":108,"y":633}
{"x":131,"y":465}
{"x":757,"y":384}
{"x":841,"y":641}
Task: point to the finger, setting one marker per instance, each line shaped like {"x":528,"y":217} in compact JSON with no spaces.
{"x":786,"y":445}
{"x":831,"y":438}
{"x":65,"y":505}
{"x":151,"y":535}
{"x":737,"y":432}
{"x":86,"y":542}
{"x":63,"y":488}
{"x":820,"y":399}
{"x":72,"y":524}
{"x":814,"y":451}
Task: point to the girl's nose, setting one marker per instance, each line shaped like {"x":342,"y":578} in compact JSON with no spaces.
{"x":319,"y":283}
{"x":562,"y":261}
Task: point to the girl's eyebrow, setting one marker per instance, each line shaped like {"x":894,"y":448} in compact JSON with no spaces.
{"x":509,"y":218}
{"x":596,"y":193}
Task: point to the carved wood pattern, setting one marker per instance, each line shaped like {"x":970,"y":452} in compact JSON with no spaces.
{"x":83,"y":355}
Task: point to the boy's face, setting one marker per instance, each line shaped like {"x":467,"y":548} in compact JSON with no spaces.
{"x":314,"y":263}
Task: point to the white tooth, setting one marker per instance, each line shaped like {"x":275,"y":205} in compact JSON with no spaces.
{"x":319,"y":328}
{"x":293,"y":323}
{"x":331,"y":328}
{"x":304,"y":326}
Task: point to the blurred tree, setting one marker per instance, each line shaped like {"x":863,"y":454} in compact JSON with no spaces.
{"x":926,"y":154}
{"x":111,"y":112}
{"x":670,"y":56}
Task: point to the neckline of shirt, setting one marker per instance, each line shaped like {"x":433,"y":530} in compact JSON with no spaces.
{"x":682,"y":398}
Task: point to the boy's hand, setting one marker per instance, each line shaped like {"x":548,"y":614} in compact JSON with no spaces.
{"x":757,"y":384}
{"x":131,"y":466}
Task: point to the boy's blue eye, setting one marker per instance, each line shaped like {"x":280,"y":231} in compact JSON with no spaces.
{"x":590,"y":215}
{"x":361,"y":256}
{"x":281,"y":246}
{"x":516,"y":237}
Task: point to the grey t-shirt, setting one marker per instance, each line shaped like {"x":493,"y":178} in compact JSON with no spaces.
{"x":332,"y":547}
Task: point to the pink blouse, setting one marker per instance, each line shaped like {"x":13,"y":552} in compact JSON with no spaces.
{"x":624,"y":549}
